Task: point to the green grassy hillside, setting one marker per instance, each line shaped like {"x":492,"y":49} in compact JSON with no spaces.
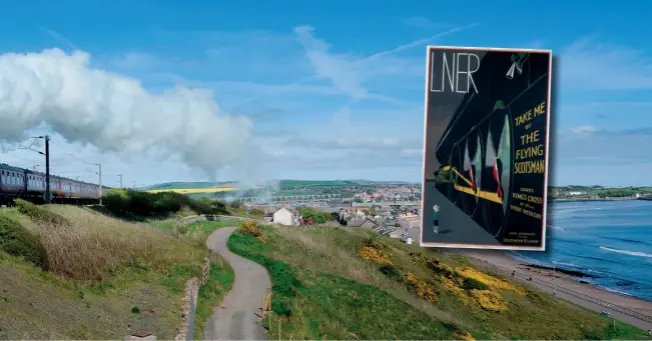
{"x":332,"y":283}
{"x":99,"y":277}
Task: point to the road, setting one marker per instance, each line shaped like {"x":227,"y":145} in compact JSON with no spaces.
{"x":236,"y":318}
{"x":454,"y":225}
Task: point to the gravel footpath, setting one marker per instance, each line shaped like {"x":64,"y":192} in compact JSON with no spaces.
{"x":237,"y":316}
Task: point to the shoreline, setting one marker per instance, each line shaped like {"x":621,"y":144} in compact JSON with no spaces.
{"x":576,"y":276}
{"x":572,"y":273}
{"x":591,"y":200}
{"x":564,"y":284}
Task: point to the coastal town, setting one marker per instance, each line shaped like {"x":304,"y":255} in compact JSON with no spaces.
{"x":391,"y":209}
{"x":394,"y":210}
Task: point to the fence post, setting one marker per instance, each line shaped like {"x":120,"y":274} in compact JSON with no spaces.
{"x":191,"y":320}
{"x":205,"y":271}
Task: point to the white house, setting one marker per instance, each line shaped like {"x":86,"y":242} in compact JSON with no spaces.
{"x":285,"y":216}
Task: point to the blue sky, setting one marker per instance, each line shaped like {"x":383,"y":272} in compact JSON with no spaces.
{"x":335,"y":89}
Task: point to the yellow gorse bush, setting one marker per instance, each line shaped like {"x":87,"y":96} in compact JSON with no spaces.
{"x":252,"y":228}
{"x":372,"y":254}
{"x":459,"y":281}
{"x":422,"y":288}
{"x":489,"y":280}
{"x":460,"y":335}
{"x":489,"y":300}
{"x":454,"y":287}
{"x":454,"y":281}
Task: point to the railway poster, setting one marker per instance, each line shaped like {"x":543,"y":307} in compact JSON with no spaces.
{"x":487,"y":114}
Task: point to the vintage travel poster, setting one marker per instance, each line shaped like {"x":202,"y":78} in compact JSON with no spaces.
{"x":487,"y":116}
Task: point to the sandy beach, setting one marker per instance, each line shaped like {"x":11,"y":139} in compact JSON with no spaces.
{"x":561,"y":283}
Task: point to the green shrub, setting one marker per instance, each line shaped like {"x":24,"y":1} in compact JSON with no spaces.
{"x":318,"y":217}
{"x":473,"y":284}
{"x":144,"y":204}
{"x":40,"y":215}
{"x":392,"y":272}
{"x":183,"y":229}
{"x":16,"y":240}
{"x":372,"y":241}
{"x":257,"y":212}
{"x":165,"y":202}
{"x":116,"y":200}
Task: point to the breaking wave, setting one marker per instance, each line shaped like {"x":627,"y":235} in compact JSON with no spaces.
{"x":627,"y":252}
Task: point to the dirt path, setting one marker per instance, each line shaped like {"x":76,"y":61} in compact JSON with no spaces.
{"x":236,"y":318}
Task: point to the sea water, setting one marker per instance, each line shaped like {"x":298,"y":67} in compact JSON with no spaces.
{"x":609,"y":239}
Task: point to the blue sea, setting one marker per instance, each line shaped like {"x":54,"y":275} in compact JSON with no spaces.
{"x":610,"y":239}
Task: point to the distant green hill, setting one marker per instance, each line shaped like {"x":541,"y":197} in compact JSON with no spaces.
{"x":185,"y":185}
{"x":286,"y":184}
{"x":283,"y":184}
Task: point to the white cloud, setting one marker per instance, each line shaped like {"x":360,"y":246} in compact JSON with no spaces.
{"x":606,"y":157}
{"x":591,"y":65}
{"x":384,"y":144}
{"x":153,"y":137}
{"x":78,"y":161}
{"x":61,"y":38}
{"x":348,"y":72}
{"x":583,"y":131}
{"x":336,"y":67}
{"x":347,"y":145}
{"x":115,"y":113}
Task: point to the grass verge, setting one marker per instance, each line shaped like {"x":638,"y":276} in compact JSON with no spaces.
{"x":219,"y":283}
{"x":314,"y":305}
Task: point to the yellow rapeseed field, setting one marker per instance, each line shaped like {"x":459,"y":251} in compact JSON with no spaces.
{"x":194,"y":190}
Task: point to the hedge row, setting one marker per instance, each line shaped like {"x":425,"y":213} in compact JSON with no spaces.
{"x":145,"y":204}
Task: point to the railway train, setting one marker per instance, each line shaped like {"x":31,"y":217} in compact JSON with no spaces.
{"x":20,"y":183}
{"x":476,"y":151}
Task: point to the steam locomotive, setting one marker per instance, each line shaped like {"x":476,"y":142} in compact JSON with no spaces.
{"x":20,"y":183}
{"x":477,"y":148}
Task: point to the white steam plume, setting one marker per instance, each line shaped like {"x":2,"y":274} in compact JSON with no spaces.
{"x":114,"y":112}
